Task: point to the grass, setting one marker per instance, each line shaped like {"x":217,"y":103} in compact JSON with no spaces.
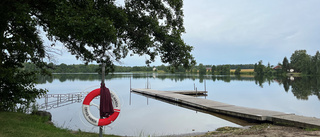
{"x":243,"y":70}
{"x":15,"y":124}
{"x":240,"y":131}
{"x":294,"y":74}
{"x":312,"y":129}
{"x":266,"y":129}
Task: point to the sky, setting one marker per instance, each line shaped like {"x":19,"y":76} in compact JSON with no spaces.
{"x":241,"y":31}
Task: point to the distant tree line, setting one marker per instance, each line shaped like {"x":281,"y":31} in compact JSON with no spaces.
{"x":64,"y":68}
{"x":220,"y":69}
{"x":303,"y":63}
{"x":91,"y":68}
{"x":261,"y":69}
{"x":300,"y":62}
{"x":94,"y":68}
{"x":242,"y":66}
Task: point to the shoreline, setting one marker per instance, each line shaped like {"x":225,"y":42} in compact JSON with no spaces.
{"x":13,"y":122}
{"x":261,"y":130}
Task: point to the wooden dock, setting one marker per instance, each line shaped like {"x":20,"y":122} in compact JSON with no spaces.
{"x":251,"y":114}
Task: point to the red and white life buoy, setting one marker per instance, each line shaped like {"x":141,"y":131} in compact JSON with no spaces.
{"x":93,"y":120}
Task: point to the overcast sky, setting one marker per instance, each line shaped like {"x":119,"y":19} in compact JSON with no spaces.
{"x":243,"y":31}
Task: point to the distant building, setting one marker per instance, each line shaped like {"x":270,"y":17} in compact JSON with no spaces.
{"x":277,"y":67}
{"x":291,"y":70}
{"x":208,"y":69}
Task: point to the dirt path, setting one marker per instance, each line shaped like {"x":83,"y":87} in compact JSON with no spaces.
{"x":264,"y":130}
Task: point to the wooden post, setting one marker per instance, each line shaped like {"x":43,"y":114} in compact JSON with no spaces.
{"x":130,"y":83}
{"x":205,"y":85}
{"x":103,"y":72}
{"x":102,"y":82}
{"x":196,"y":91}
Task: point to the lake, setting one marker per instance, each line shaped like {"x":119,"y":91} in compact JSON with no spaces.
{"x":143,"y":116}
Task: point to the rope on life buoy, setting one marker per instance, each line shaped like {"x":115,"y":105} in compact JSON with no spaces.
{"x":96,"y":121}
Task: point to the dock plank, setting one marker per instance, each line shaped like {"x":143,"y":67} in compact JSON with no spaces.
{"x":248,"y":113}
{"x":189,"y":92}
{"x":298,"y":121}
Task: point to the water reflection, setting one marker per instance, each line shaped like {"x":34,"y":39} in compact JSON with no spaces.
{"x":59,"y":100}
{"x":302,"y":87}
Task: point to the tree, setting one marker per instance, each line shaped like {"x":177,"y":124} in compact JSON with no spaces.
{"x":162,"y":67}
{"x":20,"y":42}
{"x":226,"y":69}
{"x":269,"y":69}
{"x":213,"y":69}
{"x":300,"y":61}
{"x":92,"y":30}
{"x":238,"y":70}
{"x":255,"y":67}
{"x":111,"y":31}
{"x":180,"y":69}
{"x":315,"y":68}
{"x":259,"y":68}
{"x":223,"y":69}
{"x":285,"y":65}
{"x":202,"y":69}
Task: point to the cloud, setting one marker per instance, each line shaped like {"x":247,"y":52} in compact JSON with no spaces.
{"x":243,"y":31}
{"x":248,"y":31}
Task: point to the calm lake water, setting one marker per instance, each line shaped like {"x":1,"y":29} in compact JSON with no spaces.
{"x":142,"y":116}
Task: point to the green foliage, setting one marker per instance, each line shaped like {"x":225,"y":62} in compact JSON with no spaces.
{"x":80,"y":68}
{"x":259,"y":68}
{"x":19,"y":88}
{"x":92,"y":68}
{"x":162,"y":67}
{"x":315,"y":64}
{"x":300,"y":61}
{"x":223,"y":69}
{"x":202,"y":69}
{"x":213,"y":69}
{"x":312,"y":129}
{"x":306,"y":64}
{"x":19,"y":42}
{"x":285,"y":65}
{"x":102,"y":31}
{"x":238,"y":70}
{"x":92,"y":30}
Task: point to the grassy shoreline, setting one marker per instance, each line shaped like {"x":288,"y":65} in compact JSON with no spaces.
{"x":14,"y":124}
